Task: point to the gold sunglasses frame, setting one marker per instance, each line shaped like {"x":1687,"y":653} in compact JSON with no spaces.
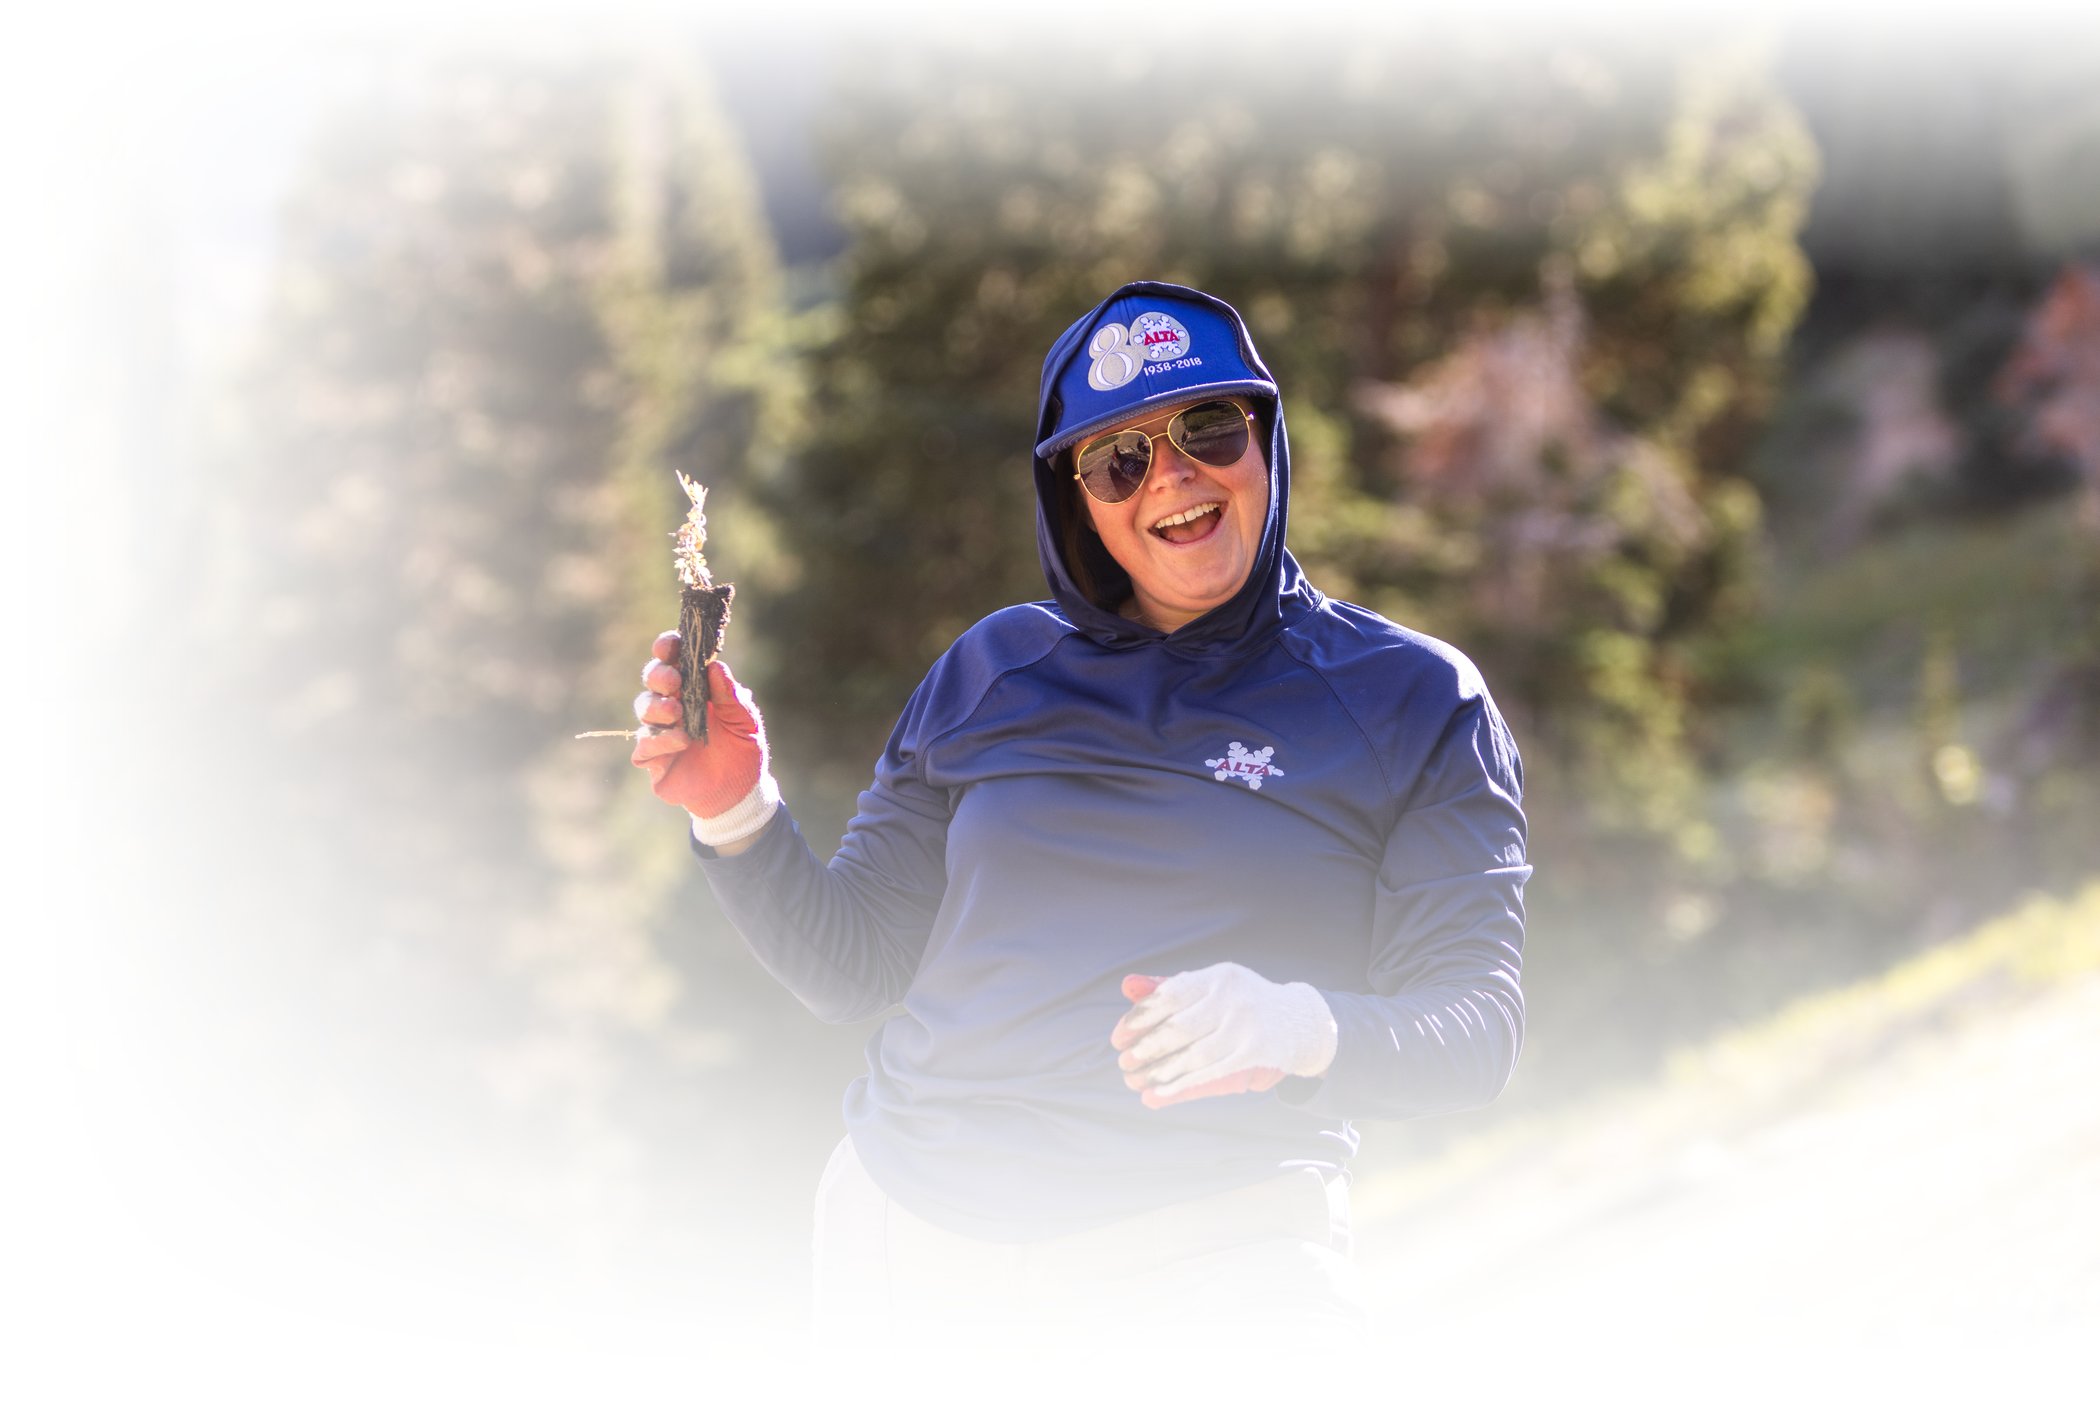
{"x":1152,"y":453}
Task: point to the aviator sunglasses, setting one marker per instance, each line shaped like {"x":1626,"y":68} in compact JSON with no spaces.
{"x":1113,"y":466}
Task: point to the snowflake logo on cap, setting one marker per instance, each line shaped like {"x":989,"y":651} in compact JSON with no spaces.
{"x":1119,"y":352}
{"x":1159,"y":336}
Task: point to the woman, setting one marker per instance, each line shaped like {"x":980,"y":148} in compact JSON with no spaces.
{"x":1172,"y":877}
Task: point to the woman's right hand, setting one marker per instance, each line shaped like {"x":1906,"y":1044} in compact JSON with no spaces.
{"x":725,"y":781}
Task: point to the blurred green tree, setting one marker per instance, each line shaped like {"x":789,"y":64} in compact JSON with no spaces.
{"x":513,"y":296}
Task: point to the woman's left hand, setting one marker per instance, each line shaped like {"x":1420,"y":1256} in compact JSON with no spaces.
{"x":1220,"y":1030}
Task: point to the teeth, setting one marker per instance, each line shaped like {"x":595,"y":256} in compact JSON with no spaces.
{"x":1191,"y":514}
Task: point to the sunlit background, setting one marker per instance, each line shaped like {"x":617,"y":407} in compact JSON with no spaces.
{"x":1728,"y":389}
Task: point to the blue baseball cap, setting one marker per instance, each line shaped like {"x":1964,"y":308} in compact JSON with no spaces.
{"x":1149,"y":346}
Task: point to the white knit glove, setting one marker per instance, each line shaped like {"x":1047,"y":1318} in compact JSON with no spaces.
{"x":1218,"y":1021}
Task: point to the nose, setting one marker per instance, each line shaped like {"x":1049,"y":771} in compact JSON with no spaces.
{"x":1170,"y":465}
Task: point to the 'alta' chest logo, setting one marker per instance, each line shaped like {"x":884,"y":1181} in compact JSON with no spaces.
{"x":1242,"y":762}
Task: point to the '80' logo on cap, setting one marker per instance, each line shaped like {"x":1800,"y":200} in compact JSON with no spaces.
{"x":1119,"y":352}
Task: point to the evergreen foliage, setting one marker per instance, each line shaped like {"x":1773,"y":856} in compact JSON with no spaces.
{"x":513,"y":298}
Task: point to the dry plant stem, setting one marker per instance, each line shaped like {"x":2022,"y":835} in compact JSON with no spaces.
{"x":703,"y":608}
{"x":702,"y":615}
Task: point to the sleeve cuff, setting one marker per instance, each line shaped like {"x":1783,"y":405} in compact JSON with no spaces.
{"x":751,"y":813}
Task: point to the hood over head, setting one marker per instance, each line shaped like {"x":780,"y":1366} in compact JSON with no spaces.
{"x":1147,"y":347}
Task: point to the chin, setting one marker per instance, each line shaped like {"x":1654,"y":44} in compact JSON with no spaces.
{"x":1208,"y":595}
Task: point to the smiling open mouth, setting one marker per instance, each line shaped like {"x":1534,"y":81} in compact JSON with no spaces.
{"x":1191,"y":525}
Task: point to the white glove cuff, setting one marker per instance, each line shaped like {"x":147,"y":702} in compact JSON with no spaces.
{"x":752,"y":812}
{"x":1310,"y":1028}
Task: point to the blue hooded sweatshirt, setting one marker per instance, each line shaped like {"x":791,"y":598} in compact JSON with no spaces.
{"x":1288,"y":782}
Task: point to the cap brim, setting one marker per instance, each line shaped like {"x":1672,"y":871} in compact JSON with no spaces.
{"x":1166,"y":398}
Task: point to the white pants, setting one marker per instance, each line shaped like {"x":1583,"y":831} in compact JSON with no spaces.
{"x":1263,"y":1266}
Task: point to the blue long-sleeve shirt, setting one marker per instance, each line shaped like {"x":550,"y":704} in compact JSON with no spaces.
{"x":1289,"y":782}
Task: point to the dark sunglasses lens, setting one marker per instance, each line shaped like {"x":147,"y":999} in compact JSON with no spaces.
{"x":1213,"y":433}
{"x":1111,"y":468}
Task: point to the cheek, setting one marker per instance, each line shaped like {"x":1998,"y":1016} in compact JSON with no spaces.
{"x":1111,"y":523}
{"x":1254,"y":505}
{"x":1090,"y":512}
{"x":1116,"y":528}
